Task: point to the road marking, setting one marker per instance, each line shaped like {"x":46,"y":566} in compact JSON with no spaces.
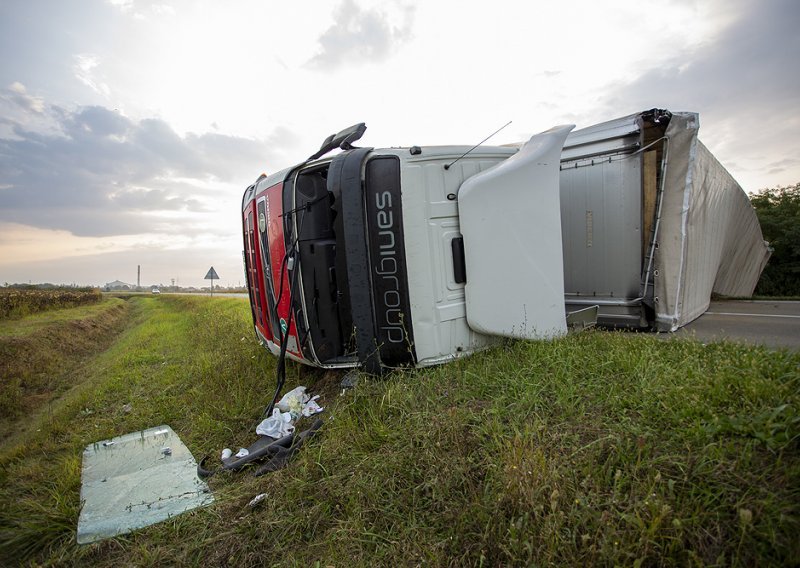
{"x":773,"y":302}
{"x":752,"y":315}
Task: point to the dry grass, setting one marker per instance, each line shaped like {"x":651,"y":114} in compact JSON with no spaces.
{"x":20,"y":302}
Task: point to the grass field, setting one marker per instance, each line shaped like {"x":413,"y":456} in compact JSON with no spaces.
{"x":600,"y":448}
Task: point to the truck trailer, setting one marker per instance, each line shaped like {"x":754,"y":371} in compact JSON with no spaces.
{"x":652,"y":223}
{"x":414,"y":256}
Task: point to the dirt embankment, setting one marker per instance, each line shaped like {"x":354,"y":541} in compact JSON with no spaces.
{"x":38,"y":366}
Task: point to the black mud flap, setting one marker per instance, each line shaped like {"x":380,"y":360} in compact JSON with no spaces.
{"x":283,"y":454}
{"x":279,"y":451}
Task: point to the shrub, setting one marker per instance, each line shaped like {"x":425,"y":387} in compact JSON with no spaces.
{"x":778,"y":212}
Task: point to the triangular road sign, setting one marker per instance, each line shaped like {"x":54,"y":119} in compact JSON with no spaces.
{"x":211,"y":275}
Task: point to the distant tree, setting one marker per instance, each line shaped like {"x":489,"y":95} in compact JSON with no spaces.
{"x":778,"y":212}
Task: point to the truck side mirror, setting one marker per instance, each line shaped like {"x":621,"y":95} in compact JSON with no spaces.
{"x":343,"y":139}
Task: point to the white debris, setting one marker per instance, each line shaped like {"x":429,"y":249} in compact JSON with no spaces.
{"x":293,"y":401}
{"x":311,"y":407}
{"x":277,"y":426}
{"x":257,"y":499}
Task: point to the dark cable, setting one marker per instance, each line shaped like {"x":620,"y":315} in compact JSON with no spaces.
{"x":280,"y":371}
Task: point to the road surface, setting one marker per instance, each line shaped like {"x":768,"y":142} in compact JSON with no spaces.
{"x":773,"y":324}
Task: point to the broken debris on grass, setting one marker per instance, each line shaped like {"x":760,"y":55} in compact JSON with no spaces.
{"x":137,"y":480}
{"x":277,"y":440}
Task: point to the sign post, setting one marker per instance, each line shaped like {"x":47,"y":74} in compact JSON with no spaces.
{"x":211,"y":275}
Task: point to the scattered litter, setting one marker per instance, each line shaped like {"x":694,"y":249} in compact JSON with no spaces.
{"x":256,"y":500}
{"x":311,"y":407}
{"x":108,"y":443}
{"x":166,"y":451}
{"x":276,"y":426}
{"x":277,"y":439}
{"x":127,"y":408}
{"x":298,"y":403}
{"x":293,"y":401}
{"x":290,"y":407}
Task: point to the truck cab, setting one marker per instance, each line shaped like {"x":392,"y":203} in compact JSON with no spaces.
{"x":396,"y":257}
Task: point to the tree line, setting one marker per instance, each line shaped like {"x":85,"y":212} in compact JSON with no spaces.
{"x":778,"y":211}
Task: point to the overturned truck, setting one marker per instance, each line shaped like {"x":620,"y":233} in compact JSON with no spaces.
{"x":415,"y":256}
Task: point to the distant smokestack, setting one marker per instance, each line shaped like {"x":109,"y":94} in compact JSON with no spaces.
{"x":138,"y":275}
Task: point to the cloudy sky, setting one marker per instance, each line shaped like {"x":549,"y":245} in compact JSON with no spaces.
{"x":129,"y":129}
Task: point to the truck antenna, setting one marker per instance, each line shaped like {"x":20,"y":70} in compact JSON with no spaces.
{"x":447,"y":166}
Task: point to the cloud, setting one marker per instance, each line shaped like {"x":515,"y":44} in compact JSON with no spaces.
{"x":781,"y":166}
{"x":748,"y":63}
{"x":17,"y":93}
{"x":741,"y":82}
{"x":96,"y":172}
{"x":154,"y":200}
{"x":140,"y":10}
{"x":360,"y":35}
{"x":96,"y":121}
{"x":20,"y":108}
{"x":124,"y":5}
{"x":84,"y":69}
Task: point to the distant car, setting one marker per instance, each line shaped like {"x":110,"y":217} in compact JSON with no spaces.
{"x":155,"y":290}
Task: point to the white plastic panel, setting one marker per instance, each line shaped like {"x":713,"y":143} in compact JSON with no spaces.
{"x":511,"y":221}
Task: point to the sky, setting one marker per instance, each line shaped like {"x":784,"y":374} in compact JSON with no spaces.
{"x":129,"y":129}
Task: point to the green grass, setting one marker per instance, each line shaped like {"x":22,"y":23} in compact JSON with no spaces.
{"x":40,"y":355}
{"x":600,"y":448}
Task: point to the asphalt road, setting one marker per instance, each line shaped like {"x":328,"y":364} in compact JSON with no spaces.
{"x":773,"y":324}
